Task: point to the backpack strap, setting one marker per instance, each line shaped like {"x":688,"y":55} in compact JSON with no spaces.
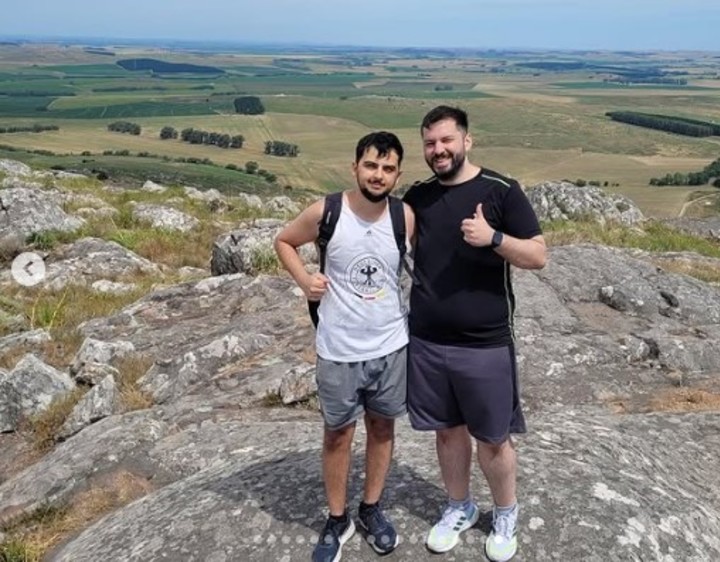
{"x":326,"y":227}
{"x":397,"y":216}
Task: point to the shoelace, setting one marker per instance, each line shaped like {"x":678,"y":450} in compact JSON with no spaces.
{"x":330,"y":532}
{"x":504,"y":525}
{"x":376,"y":519}
{"x":451,"y":517}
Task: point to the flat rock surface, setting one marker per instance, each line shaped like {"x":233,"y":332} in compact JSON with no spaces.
{"x":262,"y":498}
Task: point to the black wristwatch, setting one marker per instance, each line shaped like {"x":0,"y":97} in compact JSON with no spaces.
{"x":497,"y":239}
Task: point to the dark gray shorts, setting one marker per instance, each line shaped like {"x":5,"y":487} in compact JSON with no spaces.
{"x":478,"y":387}
{"x":378,"y":386}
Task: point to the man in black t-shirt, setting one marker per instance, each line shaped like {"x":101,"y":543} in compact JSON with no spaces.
{"x":472,"y":224}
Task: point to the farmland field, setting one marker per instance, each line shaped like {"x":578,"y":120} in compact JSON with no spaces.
{"x":534,"y":116}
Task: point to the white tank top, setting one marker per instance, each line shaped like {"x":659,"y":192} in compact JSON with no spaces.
{"x":362,"y":314}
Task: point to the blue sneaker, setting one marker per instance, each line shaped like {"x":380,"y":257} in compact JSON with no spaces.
{"x":380,"y":532}
{"x":445,"y":534}
{"x":332,"y":539}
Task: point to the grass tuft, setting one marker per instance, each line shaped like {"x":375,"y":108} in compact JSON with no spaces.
{"x":653,"y":237}
{"x":32,"y":536}
{"x":45,"y":426}
{"x":132,"y":368}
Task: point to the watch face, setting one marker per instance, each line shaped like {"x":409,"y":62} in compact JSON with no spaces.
{"x":496,"y":239}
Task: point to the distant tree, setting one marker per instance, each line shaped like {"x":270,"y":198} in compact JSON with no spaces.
{"x":124,"y":127}
{"x":249,"y":105}
{"x":168,"y":133}
{"x":281,"y":148}
{"x":251,"y":167}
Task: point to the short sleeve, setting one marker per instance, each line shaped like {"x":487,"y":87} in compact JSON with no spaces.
{"x":519,"y":218}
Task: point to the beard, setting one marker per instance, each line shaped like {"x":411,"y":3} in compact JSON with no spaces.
{"x":374,"y":197}
{"x":456,"y":163}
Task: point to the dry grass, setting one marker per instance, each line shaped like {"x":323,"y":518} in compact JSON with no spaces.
{"x":9,"y":359}
{"x":653,"y":237}
{"x":45,"y":426}
{"x":32,"y":536}
{"x":706,"y":272}
{"x":132,"y":368}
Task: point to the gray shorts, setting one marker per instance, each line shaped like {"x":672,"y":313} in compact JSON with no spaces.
{"x":378,"y":386}
{"x":451,"y":385}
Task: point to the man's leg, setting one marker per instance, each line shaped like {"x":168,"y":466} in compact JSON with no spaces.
{"x":385,"y":399}
{"x":378,"y":454}
{"x":499,"y":465}
{"x":454,"y":451}
{"x":337,"y":447}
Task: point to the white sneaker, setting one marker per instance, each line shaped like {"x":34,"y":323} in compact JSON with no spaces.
{"x":501,"y":544}
{"x":445,"y":533}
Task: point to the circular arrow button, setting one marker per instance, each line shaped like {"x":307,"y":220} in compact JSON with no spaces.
{"x":28,"y":269}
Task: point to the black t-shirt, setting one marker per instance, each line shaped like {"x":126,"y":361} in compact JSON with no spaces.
{"x":463,"y":294}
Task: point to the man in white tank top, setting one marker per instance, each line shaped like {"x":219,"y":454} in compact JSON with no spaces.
{"x":361,"y":337}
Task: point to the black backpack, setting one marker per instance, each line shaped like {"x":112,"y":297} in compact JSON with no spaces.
{"x":330,"y":216}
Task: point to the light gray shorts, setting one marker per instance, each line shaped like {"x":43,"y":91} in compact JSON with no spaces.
{"x":378,"y":386}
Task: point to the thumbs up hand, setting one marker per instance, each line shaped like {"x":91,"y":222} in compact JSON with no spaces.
{"x":476,"y":230}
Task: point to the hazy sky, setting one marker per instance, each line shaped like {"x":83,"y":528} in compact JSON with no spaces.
{"x":564,"y":24}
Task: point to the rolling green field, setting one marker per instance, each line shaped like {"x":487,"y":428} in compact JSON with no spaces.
{"x":534,"y":116}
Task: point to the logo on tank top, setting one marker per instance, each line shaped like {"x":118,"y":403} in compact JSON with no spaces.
{"x":367,"y":276}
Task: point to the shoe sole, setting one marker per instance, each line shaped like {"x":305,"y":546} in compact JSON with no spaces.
{"x":503,"y":559}
{"x":470,"y":523}
{"x":372,"y":544}
{"x":345,"y":537}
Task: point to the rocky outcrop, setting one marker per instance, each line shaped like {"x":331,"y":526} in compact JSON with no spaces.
{"x":616,"y":465}
{"x":32,"y":338}
{"x":262,"y":499}
{"x":706,"y":228}
{"x":92,"y":259}
{"x":25,"y":211}
{"x":160,"y":216}
{"x":244,"y":250}
{"x":29,"y":389}
{"x":213,"y":331}
{"x":100,"y":402}
{"x":567,"y":201}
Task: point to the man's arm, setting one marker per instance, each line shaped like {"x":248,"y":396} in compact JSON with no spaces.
{"x":525,"y":254}
{"x":409,"y":225}
{"x":302,"y":230}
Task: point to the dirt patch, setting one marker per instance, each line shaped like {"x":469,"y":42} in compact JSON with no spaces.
{"x":680,"y":399}
{"x":685,"y":400}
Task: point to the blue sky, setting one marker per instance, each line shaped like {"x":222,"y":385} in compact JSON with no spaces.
{"x":561,"y":24}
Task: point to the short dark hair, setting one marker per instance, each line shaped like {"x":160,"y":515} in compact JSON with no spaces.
{"x":442,"y":112}
{"x":382,"y":141}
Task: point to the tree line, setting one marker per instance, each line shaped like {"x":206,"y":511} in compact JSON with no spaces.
{"x":281,"y":148}
{"x":677,"y":125}
{"x":198,"y":136}
{"x":36,"y":128}
{"x":709,"y":173}
{"x":125,"y":127}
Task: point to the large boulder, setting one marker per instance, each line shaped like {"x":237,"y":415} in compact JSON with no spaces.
{"x":91,"y":259}
{"x":244,"y":250}
{"x":566,"y":201}
{"x":26,"y":211}
{"x":29,"y":389}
